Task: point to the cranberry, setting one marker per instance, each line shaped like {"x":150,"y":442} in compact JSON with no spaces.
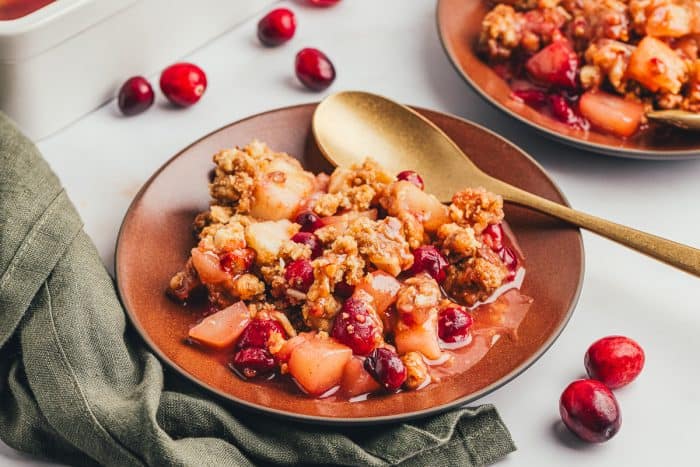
{"x":454,"y":323}
{"x":324,"y":3}
{"x":314,"y":69}
{"x":355,"y":327}
{"x":308,"y":221}
{"x":277,"y":27}
{"x":562,"y":110}
{"x":300,"y":275}
{"x":428,"y":259}
{"x":310,"y":240}
{"x":238,"y":261}
{"x":343,"y":289}
{"x":135,"y":96}
{"x":183,"y":83}
{"x":493,"y":237}
{"x":253,"y":361}
{"x":411,"y":176}
{"x":510,"y":260}
{"x":532,"y":97}
{"x":589,"y":409}
{"x":614,"y":360}
{"x":387,"y":368}
{"x":556,"y":65}
{"x":258,"y":332}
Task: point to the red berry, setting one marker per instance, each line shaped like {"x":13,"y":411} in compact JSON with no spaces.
{"x":308,"y":221}
{"x":310,"y":240}
{"x":493,"y":237}
{"x":258,"y":332}
{"x":411,"y":176}
{"x":314,"y":69}
{"x":387,"y":368}
{"x":299,"y":275}
{"x":614,"y":360}
{"x":356,"y":327}
{"x":590,"y":410}
{"x":510,"y":259}
{"x":183,"y":83}
{"x":324,"y":3}
{"x":238,"y":261}
{"x":556,"y":65}
{"x":562,"y":110}
{"x":135,"y":96}
{"x":252,"y":362}
{"x":428,"y":259}
{"x":454,"y":323}
{"x":277,"y":27}
{"x":532,"y":97}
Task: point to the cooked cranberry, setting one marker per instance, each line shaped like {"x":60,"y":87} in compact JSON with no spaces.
{"x":238,"y":261}
{"x":314,"y":69}
{"x":555,"y":65}
{"x":493,"y":236}
{"x":310,"y":240}
{"x":183,"y":83}
{"x":253,"y":361}
{"x":411,"y":176}
{"x":277,"y":27}
{"x":532,"y":97}
{"x":308,"y":221}
{"x":258,"y":332}
{"x":428,"y":259}
{"x":454,"y":323}
{"x":355,"y":327}
{"x":135,"y":96}
{"x":387,"y":368}
{"x":614,"y":360}
{"x":590,"y":410}
{"x":324,"y":3}
{"x":510,"y":259}
{"x":299,"y":275}
{"x":343,"y":289}
{"x":563,"y":112}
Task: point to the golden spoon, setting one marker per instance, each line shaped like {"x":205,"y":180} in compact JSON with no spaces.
{"x":351,"y":125}
{"x":679,"y":118}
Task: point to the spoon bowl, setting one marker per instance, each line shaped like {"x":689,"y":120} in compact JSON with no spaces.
{"x":679,"y":118}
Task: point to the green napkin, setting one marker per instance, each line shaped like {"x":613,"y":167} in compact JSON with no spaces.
{"x":78,"y":386}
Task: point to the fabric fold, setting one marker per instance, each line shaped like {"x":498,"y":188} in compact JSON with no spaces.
{"x":77,"y":385}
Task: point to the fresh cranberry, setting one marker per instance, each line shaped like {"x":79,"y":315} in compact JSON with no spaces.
{"x":589,"y":409}
{"x":324,"y":3}
{"x":614,"y":360}
{"x":238,"y":261}
{"x":314,"y":69}
{"x":308,"y":221}
{"x":387,"y":368}
{"x":510,"y":260}
{"x":258,"y":332}
{"x":343,"y":289}
{"x":300,"y":275}
{"x":252,"y":362}
{"x":493,"y":237}
{"x":428,"y":259}
{"x":277,"y":27}
{"x":183,"y":83}
{"x":532,"y":97}
{"x":556,"y":65}
{"x":565,"y":113}
{"x":310,"y":240}
{"x":355,"y":327}
{"x":411,"y":176}
{"x":454,"y":323}
{"x":135,"y":96}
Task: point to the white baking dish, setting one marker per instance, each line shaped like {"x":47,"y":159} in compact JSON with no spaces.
{"x":70,"y":56}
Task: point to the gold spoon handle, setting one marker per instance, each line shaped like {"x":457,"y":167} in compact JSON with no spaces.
{"x":675,"y":254}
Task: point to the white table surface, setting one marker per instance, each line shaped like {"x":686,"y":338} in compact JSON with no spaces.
{"x":391,"y":47}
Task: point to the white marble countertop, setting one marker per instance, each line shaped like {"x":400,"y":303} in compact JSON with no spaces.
{"x":391,"y":47}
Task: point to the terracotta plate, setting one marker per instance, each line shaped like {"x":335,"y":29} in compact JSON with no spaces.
{"x":459,"y":26}
{"x":156,"y":236}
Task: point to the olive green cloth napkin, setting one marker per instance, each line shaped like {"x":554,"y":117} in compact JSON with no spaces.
{"x":78,"y":386}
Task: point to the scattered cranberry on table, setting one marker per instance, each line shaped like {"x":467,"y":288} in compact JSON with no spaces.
{"x":135,"y":96}
{"x":324,"y":3}
{"x":277,"y":27}
{"x":614,"y":360}
{"x":387,"y":368}
{"x":411,"y":176}
{"x":589,"y":409}
{"x":314,"y":69}
{"x":183,"y":83}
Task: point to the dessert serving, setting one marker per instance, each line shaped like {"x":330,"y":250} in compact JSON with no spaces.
{"x":597,"y":64}
{"x":346,"y":285}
